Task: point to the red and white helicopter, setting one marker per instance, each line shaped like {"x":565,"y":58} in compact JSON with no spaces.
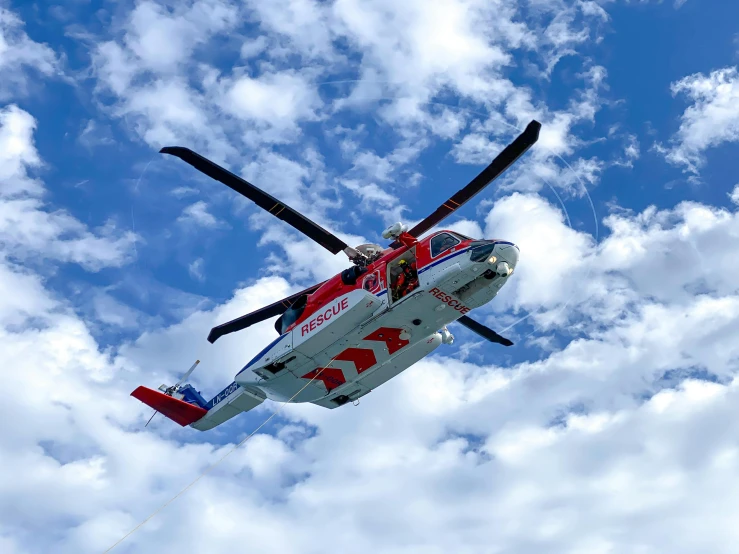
{"x":340,"y":339}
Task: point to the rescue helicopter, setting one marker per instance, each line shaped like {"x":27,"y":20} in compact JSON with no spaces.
{"x":340,"y":339}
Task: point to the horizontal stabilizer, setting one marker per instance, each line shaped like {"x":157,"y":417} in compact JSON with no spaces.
{"x":176,"y":410}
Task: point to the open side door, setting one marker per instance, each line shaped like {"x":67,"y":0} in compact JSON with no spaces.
{"x":402,"y":276}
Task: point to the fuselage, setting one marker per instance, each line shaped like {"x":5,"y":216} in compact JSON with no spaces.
{"x":356,"y":332}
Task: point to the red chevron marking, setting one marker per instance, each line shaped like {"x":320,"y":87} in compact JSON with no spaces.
{"x":363,"y":358}
{"x":332,"y":377}
{"x":391,"y":338}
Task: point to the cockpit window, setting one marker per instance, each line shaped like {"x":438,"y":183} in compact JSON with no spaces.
{"x":291,"y":315}
{"x":349,"y":276}
{"x":442,"y":242}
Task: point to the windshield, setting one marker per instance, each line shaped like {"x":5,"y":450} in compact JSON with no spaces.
{"x":291,"y":315}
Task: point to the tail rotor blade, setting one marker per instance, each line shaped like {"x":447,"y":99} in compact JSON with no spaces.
{"x":187,"y":374}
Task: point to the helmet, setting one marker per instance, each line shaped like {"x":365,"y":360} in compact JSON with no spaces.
{"x":403,"y":262}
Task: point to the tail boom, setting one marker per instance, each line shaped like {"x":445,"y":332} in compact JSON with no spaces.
{"x":194,"y":411}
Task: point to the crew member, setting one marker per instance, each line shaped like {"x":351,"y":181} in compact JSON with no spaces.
{"x":407,"y":280}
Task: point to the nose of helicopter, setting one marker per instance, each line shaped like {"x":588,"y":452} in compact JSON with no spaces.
{"x":501,"y":255}
{"x":508,"y":252}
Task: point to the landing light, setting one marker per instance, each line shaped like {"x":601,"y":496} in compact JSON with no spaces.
{"x":493,"y":259}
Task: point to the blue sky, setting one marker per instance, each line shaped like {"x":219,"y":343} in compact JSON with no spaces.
{"x":116,"y":261}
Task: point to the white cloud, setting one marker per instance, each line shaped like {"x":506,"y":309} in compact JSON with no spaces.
{"x":94,"y":134}
{"x":734,"y":195}
{"x":552,"y":254}
{"x":195,"y":269}
{"x":422,"y":47}
{"x":275,"y":102}
{"x":29,"y":231}
{"x":19,"y":54}
{"x":23,"y":296}
{"x":301,"y":258}
{"x":374,"y":166}
{"x":198,"y":214}
{"x":253,"y":48}
{"x":162,"y":39}
{"x":148,"y":72}
{"x":476,"y":149}
{"x":563,"y":38}
{"x":181,"y":192}
{"x":373,"y":199}
{"x":661,"y":255}
{"x":17,"y":153}
{"x":304,"y":24}
{"x":631,"y":151}
{"x":370,"y":193}
{"x":166,"y":111}
{"x":541,"y":165}
{"x":108,"y":311}
{"x":711,"y":119}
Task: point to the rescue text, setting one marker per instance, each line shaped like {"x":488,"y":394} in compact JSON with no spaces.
{"x":449,"y":300}
{"x":324,"y":316}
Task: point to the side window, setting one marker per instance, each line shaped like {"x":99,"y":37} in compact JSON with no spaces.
{"x":442,"y":242}
{"x":371,"y":282}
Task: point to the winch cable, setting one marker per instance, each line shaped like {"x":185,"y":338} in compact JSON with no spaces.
{"x":214,"y":464}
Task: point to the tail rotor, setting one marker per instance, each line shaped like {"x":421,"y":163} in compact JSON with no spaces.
{"x":174,"y":389}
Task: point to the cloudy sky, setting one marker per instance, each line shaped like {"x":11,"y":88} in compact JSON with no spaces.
{"x":609,"y":427}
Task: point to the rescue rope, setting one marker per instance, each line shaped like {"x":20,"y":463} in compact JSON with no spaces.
{"x":214,"y":464}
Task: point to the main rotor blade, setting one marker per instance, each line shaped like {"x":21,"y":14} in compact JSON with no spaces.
{"x":265,"y":201}
{"x":484,"y":332}
{"x":502,"y":161}
{"x":262,"y":314}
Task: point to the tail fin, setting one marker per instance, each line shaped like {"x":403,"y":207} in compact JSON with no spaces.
{"x":177,"y":410}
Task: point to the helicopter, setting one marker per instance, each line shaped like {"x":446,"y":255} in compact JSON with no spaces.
{"x":342,"y":338}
